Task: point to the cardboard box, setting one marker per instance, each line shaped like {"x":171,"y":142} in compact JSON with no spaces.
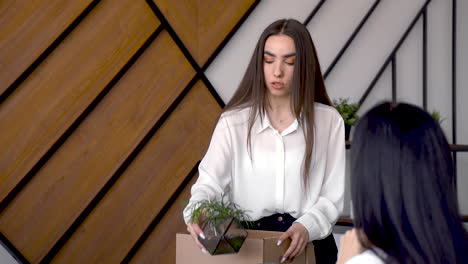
{"x":259,"y":247}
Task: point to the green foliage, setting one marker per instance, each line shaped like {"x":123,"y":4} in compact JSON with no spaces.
{"x":436,"y":115}
{"x":347,"y":111}
{"x":216,"y":209}
{"x":236,"y":243}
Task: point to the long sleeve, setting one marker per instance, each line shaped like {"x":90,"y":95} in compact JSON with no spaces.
{"x":320,"y":217}
{"x":268,"y":179}
{"x":214,"y":169}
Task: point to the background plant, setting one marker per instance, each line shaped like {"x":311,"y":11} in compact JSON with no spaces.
{"x":347,"y":110}
{"x":437,"y":117}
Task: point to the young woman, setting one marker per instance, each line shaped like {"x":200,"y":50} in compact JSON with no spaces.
{"x":279,"y":146}
{"x":402,"y":188}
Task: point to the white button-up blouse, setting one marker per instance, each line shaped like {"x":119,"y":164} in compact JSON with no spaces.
{"x":271,"y":181}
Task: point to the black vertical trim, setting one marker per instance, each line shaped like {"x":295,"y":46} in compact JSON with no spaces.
{"x":389,"y":58}
{"x":14,"y":252}
{"x":454,"y":83}
{"x":314,"y":11}
{"x":182,"y":48}
{"x":394,"y":79}
{"x":132,"y":252}
{"x":47,"y":51}
{"x":350,"y":39}
{"x":229,"y":36}
{"x":425,"y":59}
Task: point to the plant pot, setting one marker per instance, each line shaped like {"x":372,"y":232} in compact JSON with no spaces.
{"x":223,"y":236}
{"x":347,"y":131}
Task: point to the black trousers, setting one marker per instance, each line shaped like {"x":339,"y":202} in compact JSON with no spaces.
{"x":325,"y":249}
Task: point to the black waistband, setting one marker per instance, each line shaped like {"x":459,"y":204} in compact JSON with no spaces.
{"x":275,"y":222}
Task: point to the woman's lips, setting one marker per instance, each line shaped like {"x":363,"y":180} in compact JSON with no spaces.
{"x":277,"y":85}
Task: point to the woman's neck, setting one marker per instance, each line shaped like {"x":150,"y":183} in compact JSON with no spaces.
{"x":279,"y":104}
{"x":279,"y":113}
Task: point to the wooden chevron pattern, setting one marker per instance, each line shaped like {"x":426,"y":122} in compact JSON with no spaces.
{"x":105,"y":113}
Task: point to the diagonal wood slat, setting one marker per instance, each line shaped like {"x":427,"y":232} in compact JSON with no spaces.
{"x":27,"y":28}
{"x":79,"y":169}
{"x":45,"y":105}
{"x":146,"y":185}
{"x":153,"y":251}
{"x":210,"y":31}
{"x":203,"y":24}
{"x":92,"y":181}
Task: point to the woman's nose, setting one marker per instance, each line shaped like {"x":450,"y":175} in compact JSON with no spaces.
{"x":277,"y":71}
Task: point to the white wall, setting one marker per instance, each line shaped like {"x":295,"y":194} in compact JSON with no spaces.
{"x":333,"y":25}
{"x":5,"y":256}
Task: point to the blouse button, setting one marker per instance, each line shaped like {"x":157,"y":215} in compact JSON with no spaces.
{"x":280,"y":219}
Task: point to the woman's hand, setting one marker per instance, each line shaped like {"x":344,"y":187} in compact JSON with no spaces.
{"x":349,"y":246}
{"x":195,"y":231}
{"x":299,"y":236}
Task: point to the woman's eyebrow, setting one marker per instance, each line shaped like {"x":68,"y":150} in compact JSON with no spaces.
{"x":290,"y":55}
{"x":269,"y":54}
{"x":285,"y":56}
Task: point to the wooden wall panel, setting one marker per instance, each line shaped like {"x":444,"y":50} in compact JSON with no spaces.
{"x":182,"y":15}
{"x":27,"y":28}
{"x":53,"y":96}
{"x":39,"y":216}
{"x":216,"y":20}
{"x":146,"y":185}
{"x":203,"y":24}
{"x":71,"y":142}
{"x":154,"y":250}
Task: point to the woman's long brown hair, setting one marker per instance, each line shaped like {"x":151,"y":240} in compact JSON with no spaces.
{"x":307,"y":84}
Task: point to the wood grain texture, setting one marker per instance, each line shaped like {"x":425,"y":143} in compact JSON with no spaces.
{"x":27,"y":28}
{"x":203,"y":24}
{"x":160,"y":247}
{"x":129,"y":207}
{"x":216,"y":20}
{"x":182,"y":16}
{"x":54,"y":95}
{"x":60,"y":191}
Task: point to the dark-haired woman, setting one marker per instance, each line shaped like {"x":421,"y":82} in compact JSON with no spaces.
{"x":402,"y":186}
{"x":279,"y":146}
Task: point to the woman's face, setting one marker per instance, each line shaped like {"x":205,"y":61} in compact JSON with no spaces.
{"x":278,"y":65}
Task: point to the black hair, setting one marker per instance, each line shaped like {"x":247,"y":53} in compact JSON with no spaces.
{"x":402,"y":187}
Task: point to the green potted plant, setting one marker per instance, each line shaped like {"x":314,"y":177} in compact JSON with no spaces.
{"x":220,"y":221}
{"x":348,"y":112}
{"x":436,"y":115}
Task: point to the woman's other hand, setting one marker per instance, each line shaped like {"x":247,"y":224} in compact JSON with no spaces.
{"x":196,"y":231}
{"x":299,"y":239}
{"x":349,"y":246}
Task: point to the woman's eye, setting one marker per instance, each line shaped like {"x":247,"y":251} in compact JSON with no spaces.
{"x":289,"y":62}
{"x":269,"y":61}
